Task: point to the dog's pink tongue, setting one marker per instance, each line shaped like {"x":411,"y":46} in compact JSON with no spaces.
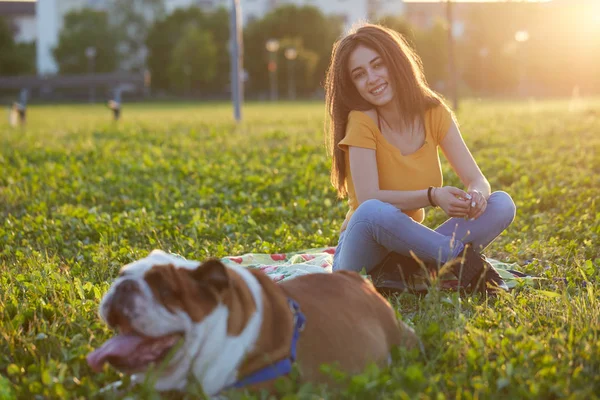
{"x":119,"y":346}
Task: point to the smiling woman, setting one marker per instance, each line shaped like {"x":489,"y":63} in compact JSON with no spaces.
{"x":365,"y":62}
{"x":386,"y":125}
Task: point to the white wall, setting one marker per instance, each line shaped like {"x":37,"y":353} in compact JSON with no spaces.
{"x":171,"y":5}
{"x":47,"y":36}
{"x":391,"y":7}
{"x":253,"y":9}
{"x":352,"y":11}
{"x":49,"y":22}
{"x":27,"y":26}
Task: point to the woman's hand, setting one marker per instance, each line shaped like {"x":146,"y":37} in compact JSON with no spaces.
{"x":478,"y":204}
{"x":454,"y":202}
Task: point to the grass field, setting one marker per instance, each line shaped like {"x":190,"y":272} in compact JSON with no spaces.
{"x":80,"y":196}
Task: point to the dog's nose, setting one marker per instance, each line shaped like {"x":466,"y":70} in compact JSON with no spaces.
{"x":121,"y":306}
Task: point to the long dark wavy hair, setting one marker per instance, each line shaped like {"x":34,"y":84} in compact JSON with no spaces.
{"x":413,"y":96}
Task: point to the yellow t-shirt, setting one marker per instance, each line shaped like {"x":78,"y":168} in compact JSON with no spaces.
{"x":415,"y":171}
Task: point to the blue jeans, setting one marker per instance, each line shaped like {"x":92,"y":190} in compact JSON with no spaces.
{"x":377,"y":228}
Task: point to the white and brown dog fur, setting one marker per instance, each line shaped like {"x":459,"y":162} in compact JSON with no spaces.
{"x":235,"y":321}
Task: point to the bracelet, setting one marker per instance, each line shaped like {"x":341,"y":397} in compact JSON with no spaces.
{"x":430,"y":198}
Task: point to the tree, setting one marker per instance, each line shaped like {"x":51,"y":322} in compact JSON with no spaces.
{"x":400,"y":25}
{"x":15,"y":58}
{"x":166,"y":33}
{"x":193,"y":60}
{"x":308,"y":24}
{"x":489,"y":53}
{"x":84,"y":29}
{"x":431,"y":46}
{"x":563,"y":50}
{"x":304,"y":66}
{"x":217,"y":23}
{"x":7,"y":46}
{"x":132,"y":20}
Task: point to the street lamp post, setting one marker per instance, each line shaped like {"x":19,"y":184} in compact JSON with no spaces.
{"x":90,"y":53}
{"x":291,"y":54}
{"x":272,"y":46}
{"x":147,"y":82}
{"x":236,"y":59}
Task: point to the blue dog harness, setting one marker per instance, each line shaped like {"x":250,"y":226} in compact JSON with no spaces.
{"x":282,"y":367}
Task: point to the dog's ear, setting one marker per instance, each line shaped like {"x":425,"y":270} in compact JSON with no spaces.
{"x":212,"y":272}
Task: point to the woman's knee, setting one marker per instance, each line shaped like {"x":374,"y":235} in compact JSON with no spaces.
{"x":504,"y":206}
{"x":373,"y":211}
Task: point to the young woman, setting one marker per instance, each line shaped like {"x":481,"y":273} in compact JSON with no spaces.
{"x":385,"y":127}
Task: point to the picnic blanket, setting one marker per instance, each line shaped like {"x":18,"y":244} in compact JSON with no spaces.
{"x":283,"y":266}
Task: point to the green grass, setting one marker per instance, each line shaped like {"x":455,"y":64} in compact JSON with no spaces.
{"x":80,"y":196}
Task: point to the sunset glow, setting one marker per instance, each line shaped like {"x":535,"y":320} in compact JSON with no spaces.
{"x":477,"y":1}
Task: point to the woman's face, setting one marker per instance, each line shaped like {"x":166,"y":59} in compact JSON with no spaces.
{"x":370,"y":76}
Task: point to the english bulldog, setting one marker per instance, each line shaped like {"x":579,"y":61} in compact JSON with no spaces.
{"x":230,"y":327}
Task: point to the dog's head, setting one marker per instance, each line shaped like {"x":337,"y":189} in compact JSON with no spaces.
{"x":171,"y":313}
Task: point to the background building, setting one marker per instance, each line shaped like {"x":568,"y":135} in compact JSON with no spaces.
{"x":21,"y":16}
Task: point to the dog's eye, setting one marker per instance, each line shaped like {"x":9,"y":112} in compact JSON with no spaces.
{"x":159,"y":285}
{"x":163,"y":282}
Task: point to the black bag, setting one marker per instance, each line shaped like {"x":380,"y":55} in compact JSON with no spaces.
{"x":396,"y":273}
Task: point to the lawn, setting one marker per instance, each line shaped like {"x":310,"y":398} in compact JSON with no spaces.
{"x":80,"y":196}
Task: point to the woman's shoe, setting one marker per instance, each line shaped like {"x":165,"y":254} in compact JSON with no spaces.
{"x":397,"y":272}
{"x":475,"y":272}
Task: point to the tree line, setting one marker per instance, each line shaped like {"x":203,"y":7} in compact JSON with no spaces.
{"x":187,"y":51}
{"x":15,"y":58}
